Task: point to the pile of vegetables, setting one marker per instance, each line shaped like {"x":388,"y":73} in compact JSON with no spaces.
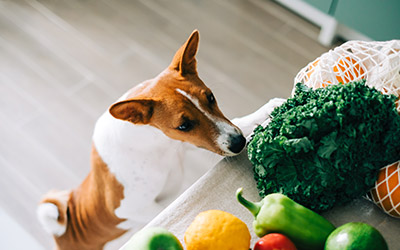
{"x":278,"y":213}
{"x":324,"y":147}
{"x":279,"y":222}
{"x":284,"y":224}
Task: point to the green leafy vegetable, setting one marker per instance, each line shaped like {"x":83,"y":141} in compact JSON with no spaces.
{"x":324,"y":147}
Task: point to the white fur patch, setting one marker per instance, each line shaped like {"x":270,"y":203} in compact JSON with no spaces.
{"x":196,"y":103}
{"x":223,"y":140}
{"x":48,"y":216}
{"x":144,"y":161}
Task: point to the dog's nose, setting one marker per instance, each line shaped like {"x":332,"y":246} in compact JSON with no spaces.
{"x":237,"y":143}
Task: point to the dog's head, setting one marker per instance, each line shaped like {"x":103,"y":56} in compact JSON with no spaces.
{"x":178,"y":103}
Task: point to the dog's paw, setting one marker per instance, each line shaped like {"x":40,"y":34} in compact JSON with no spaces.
{"x":48,"y":215}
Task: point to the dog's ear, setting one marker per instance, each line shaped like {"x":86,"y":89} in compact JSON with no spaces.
{"x":135,"y":111}
{"x":184,"y":60}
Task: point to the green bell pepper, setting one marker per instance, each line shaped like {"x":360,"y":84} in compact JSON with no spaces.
{"x":277,"y":213}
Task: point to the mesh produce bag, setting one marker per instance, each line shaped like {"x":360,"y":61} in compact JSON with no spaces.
{"x":379,"y":64}
{"x":386,"y":193}
{"x":376,"y":62}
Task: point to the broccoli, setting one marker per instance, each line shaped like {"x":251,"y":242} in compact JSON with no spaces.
{"x":324,"y":147}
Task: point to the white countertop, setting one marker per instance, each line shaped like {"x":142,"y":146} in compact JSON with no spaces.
{"x":217,"y":188}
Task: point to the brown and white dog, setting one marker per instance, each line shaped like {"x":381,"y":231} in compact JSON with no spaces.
{"x":137,"y":151}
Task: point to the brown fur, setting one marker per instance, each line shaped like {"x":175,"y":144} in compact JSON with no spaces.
{"x":91,"y":219}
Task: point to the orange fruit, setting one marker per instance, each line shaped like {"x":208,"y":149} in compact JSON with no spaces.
{"x":310,"y":70}
{"x":216,"y":229}
{"x":386,"y":193}
{"x":347,"y":69}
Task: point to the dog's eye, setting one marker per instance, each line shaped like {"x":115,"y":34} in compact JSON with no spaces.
{"x":211,"y":98}
{"x":185,"y":126}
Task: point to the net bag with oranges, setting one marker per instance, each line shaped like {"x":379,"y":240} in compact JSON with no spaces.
{"x":386,"y":193}
{"x":378,"y":63}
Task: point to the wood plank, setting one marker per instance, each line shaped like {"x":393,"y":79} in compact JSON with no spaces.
{"x":62,"y":63}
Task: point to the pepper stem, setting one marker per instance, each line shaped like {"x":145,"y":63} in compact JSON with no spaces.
{"x":253,"y":207}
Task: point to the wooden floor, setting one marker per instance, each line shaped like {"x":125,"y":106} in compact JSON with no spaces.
{"x":62,"y":63}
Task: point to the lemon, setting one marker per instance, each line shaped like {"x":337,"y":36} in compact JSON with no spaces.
{"x":216,"y":229}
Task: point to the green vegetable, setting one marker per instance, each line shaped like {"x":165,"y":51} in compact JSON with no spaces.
{"x":356,"y":236}
{"x":324,"y":147}
{"x":277,"y":213}
{"x":153,"y":238}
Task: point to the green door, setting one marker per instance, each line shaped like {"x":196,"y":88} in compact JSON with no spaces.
{"x":377,"y":19}
{"x":322,"y":5}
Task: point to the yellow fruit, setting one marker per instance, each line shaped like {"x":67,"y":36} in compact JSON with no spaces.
{"x":215,"y":229}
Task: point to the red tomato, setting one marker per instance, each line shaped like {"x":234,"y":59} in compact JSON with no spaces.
{"x":274,"y":241}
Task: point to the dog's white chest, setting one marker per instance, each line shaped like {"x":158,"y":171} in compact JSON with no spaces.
{"x":146,"y":162}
